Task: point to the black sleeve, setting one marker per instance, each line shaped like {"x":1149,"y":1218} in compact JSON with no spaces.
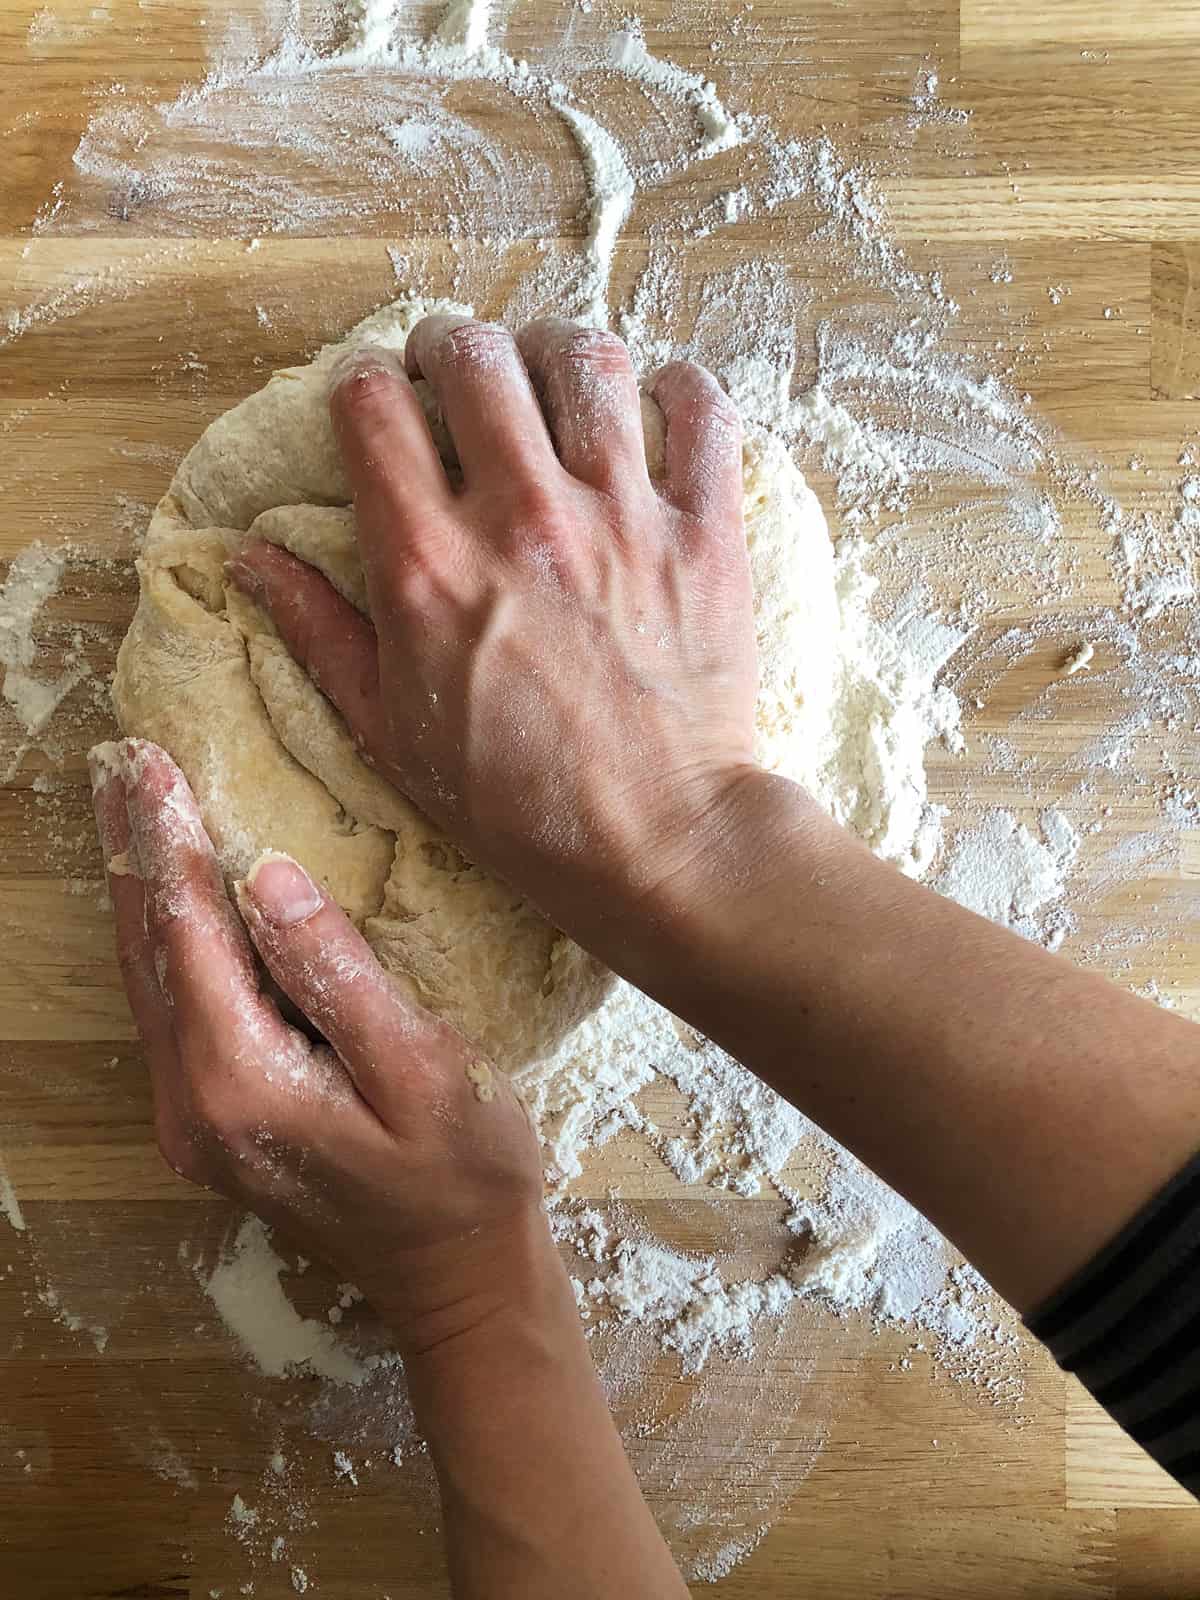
{"x":1128,"y":1326}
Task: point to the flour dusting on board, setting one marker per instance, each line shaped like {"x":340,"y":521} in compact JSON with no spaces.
{"x":9,"y":1204}
{"x":244,"y":1287}
{"x":948,"y":494}
{"x":32,"y":697}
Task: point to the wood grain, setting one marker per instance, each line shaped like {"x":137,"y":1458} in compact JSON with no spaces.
{"x":122,"y":336}
{"x":1175,"y":284}
{"x":1017,"y":25}
{"x":1104,"y":1466}
{"x":1036,"y":206}
{"x":1156,"y":1556}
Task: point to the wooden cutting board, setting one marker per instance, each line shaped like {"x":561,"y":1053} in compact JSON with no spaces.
{"x":118,"y":1466}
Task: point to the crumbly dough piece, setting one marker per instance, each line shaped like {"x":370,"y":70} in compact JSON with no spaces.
{"x":203,"y":673}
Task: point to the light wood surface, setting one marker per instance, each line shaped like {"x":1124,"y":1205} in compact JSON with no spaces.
{"x":117,"y":1467}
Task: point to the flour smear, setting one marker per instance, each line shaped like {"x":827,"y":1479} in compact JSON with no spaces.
{"x":947,"y":494}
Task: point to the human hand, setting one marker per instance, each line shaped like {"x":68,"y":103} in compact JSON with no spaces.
{"x":394,"y":1152}
{"x":560,"y":664}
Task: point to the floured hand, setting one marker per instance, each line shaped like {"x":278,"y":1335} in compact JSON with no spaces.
{"x":393,"y":1152}
{"x":561,"y":667}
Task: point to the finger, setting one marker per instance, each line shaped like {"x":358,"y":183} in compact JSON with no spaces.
{"x":146,"y":999}
{"x":382,"y":431}
{"x":150,"y":1007}
{"x":333,"y":642}
{"x":589,"y":395}
{"x":402,"y":497}
{"x":703,"y":445}
{"x":486,"y":398}
{"x":197,"y":943}
{"x":324,"y":964}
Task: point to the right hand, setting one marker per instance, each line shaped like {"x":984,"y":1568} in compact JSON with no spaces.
{"x":559,"y":667}
{"x":395,"y":1152}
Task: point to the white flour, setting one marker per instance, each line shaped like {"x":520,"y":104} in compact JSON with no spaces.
{"x":611,"y":190}
{"x":1001,"y":871}
{"x":9,"y":1204}
{"x":858,"y":1249}
{"x":73,"y":1321}
{"x":245,"y":1289}
{"x":33,"y":579}
{"x":628,"y":55}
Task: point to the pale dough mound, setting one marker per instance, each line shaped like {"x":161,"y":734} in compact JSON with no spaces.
{"x":203,"y":673}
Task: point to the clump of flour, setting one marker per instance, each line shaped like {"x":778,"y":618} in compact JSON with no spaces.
{"x":245,"y":1289}
{"x":852,"y":1246}
{"x":686,"y":1299}
{"x":1000,"y":870}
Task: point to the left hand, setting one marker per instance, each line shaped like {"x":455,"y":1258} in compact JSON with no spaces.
{"x":395,"y":1152}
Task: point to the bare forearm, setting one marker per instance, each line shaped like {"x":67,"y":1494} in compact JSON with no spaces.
{"x":1025,"y":1106}
{"x":538,"y":1496}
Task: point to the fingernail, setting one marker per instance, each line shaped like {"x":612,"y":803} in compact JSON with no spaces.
{"x":104,"y":767}
{"x":135,"y":755}
{"x":359,"y":361}
{"x":282,"y":891}
{"x":104,"y":764}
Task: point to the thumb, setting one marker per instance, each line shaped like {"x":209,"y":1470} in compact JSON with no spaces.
{"x":389,"y":1046}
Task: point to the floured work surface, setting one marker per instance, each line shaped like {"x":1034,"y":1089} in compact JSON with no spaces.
{"x":966,"y":356}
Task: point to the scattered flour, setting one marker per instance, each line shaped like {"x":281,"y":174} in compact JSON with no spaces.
{"x":464,"y":26}
{"x":73,"y":1321}
{"x":246,"y":1291}
{"x":10,"y":1206}
{"x":611,"y":188}
{"x":854,"y":1246}
{"x":240,"y":1515}
{"x":1157,"y":591}
{"x":33,"y":579}
{"x":1001,"y":871}
{"x":628,"y":55}
{"x":687,"y":1299}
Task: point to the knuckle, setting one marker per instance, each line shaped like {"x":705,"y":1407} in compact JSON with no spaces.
{"x":533,"y":501}
{"x":536,"y":515}
{"x":417,"y":592}
{"x":593,"y":347}
{"x":433,"y":580}
{"x":475,"y":344}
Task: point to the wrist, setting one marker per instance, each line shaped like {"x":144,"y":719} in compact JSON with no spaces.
{"x":440,"y":1299}
{"x":535,"y":1484}
{"x":455,"y":1293}
{"x":514,"y":1330}
{"x":723,"y":851}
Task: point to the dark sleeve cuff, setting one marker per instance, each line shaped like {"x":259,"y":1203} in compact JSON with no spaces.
{"x":1128,"y":1326}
